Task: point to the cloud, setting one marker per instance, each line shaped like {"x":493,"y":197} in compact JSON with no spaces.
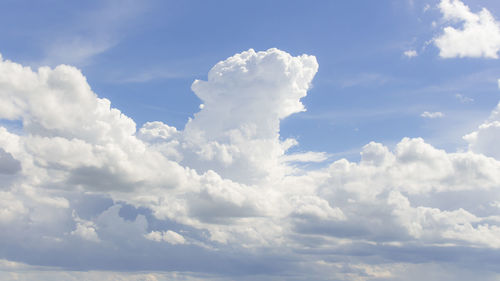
{"x":8,"y":165}
{"x":479,"y":35}
{"x":432,"y":115}
{"x":464,"y":99}
{"x":82,"y":188}
{"x":410,"y":53}
{"x":484,"y":139}
{"x":309,"y":156}
{"x":169,"y":236}
{"x":89,"y":33}
{"x":85,"y":229}
{"x":257,"y":89}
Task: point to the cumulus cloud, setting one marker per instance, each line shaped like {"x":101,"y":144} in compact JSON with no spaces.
{"x":223,"y":196}
{"x":479,"y":35}
{"x":484,"y":139}
{"x":252,"y":91}
{"x":85,"y":229}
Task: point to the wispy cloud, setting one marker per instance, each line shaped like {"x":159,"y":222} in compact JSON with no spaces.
{"x":463,"y":99}
{"x":432,"y":115}
{"x":91,"y":32}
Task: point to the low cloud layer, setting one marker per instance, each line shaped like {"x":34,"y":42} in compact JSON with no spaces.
{"x":82,"y":188}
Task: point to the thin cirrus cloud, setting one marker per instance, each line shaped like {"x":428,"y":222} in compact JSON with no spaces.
{"x":222,"y":198}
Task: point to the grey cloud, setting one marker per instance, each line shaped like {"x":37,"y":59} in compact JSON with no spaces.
{"x":8,"y":165}
{"x":100,"y":179}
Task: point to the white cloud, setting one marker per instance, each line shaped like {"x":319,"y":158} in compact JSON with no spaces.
{"x":484,"y":140}
{"x":246,"y":145}
{"x":85,"y":229}
{"x":169,"y":236}
{"x":478,"y":37}
{"x":432,"y":115}
{"x":309,"y":156}
{"x":410,"y":53}
{"x":227,"y":186}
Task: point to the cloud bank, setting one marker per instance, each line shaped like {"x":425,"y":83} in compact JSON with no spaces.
{"x":82,"y":188}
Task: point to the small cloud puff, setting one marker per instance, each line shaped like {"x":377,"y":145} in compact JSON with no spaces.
{"x":427,"y":114}
{"x":410,"y":53}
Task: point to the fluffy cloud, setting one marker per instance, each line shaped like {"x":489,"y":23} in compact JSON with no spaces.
{"x":478,"y":37}
{"x":484,"y":140}
{"x":83,"y":185}
{"x":252,"y":92}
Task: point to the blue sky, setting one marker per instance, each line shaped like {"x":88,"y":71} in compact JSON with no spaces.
{"x":263,"y":140}
{"x":144,"y":57}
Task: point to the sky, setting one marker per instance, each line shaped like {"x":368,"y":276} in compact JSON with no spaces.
{"x":235,"y":140}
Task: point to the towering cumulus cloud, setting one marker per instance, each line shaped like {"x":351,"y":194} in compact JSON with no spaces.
{"x":237,"y":131}
{"x":82,"y":189}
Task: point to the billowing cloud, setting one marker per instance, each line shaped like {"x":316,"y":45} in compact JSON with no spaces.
{"x":83,"y":189}
{"x":479,"y":35}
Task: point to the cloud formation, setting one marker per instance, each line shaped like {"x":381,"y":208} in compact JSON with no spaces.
{"x":478,"y":36}
{"x":223,"y":197}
